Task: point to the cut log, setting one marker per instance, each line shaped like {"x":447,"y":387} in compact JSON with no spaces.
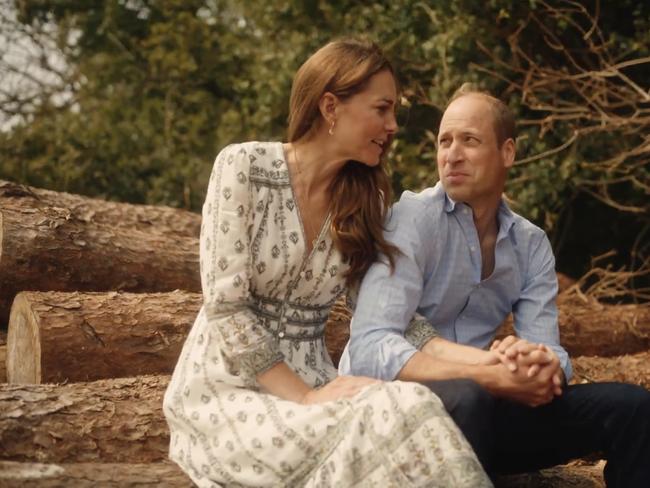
{"x":633,"y":369}
{"x":337,"y":330}
{"x":148,"y":218}
{"x":48,"y":249}
{"x":3,"y":357}
{"x":585,"y":329}
{"x":112,"y":421}
{"x":574,"y":475}
{"x":56,"y":337}
{"x":91,"y":475}
{"x":105,"y":475}
{"x":605,"y":330}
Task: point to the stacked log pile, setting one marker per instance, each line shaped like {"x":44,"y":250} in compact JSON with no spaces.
{"x":56,"y":241}
{"x":103,"y":295}
{"x":59,"y":337}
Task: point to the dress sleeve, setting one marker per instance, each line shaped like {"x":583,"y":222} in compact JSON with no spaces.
{"x":419,"y":331}
{"x":226,"y":268}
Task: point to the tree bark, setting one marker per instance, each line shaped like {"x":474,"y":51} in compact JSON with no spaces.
{"x":48,"y":249}
{"x":573,"y":475}
{"x":91,"y":475}
{"x":337,"y":330}
{"x":113,"y":421}
{"x":147,"y":218}
{"x":59,"y":337}
{"x":3,"y":357}
{"x":56,"y":337}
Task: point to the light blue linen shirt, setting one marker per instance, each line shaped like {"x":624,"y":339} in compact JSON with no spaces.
{"x":439,"y":276}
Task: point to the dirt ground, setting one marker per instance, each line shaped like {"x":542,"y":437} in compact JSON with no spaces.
{"x":629,"y":368}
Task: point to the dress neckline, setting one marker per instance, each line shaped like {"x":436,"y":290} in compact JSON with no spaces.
{"x":309,"y":247}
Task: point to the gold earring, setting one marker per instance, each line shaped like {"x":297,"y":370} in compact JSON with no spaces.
{"x":331,"y":129}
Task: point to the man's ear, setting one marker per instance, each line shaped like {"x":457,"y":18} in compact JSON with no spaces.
{"x":508,"y":153}
{"x":328,"y":106}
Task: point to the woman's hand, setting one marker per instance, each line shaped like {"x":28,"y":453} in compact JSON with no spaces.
{"x":341,"y":387}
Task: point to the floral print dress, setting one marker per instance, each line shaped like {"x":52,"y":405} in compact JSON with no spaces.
{"x":266,"y":300}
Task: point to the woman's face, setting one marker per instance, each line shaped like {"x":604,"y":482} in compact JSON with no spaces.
{"x":365,"y":122}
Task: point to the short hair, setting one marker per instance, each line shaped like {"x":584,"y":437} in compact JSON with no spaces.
{"x":502,"y":117}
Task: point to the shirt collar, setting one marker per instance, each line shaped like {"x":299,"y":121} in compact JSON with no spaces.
{"x":506,"y":216}
{"x":450,"y":205}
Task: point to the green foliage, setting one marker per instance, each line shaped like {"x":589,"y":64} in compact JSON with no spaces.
{"x":161,"y":85}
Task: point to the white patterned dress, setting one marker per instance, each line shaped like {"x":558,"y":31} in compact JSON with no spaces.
{"x":266,"y":300}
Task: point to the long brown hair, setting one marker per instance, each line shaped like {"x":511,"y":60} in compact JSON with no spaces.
{"x":360,"y":195}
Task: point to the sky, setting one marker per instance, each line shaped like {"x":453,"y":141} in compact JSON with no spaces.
{"x":26,"y":67}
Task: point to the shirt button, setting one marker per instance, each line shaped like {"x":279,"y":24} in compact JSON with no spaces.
{"x":473,"y":248}
{"x":281,"y":335}
{"x":303,"y":274}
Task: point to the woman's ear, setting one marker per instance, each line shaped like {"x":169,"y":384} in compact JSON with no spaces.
{"x":328,"y":106}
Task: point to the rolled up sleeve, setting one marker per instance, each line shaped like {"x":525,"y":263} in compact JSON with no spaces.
{"x":535,"y":312}
{"x":387,"y":302}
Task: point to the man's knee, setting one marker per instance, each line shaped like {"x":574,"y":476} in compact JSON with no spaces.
{"x":632,"y":402}
{"x":623,"y":398}
{"x":617,"y":410}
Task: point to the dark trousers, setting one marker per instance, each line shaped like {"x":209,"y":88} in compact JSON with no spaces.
{"x":508,"y":437}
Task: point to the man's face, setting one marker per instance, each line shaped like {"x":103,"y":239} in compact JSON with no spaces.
{"x":471,"y":165}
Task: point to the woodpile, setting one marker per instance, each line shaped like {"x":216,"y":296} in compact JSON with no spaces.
{"x":102,"y":297}
{"x":113,"y":421}
{"x":91,"y":475}
{"x":46,"y":246}
{"x":58,"y":336}
{"x":148,"y":218}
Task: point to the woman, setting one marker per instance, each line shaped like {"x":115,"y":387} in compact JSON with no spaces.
{"x":254,"y":399}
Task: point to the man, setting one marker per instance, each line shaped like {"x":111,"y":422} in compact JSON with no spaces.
{"x":467,"y":261}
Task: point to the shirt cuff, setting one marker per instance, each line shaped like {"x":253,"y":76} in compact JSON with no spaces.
{"x":260,"y":360}
{"x":567,"y":368}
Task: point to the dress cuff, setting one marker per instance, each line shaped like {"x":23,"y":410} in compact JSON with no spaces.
{"x":262,"y":359}
{"x":419,"y":332}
